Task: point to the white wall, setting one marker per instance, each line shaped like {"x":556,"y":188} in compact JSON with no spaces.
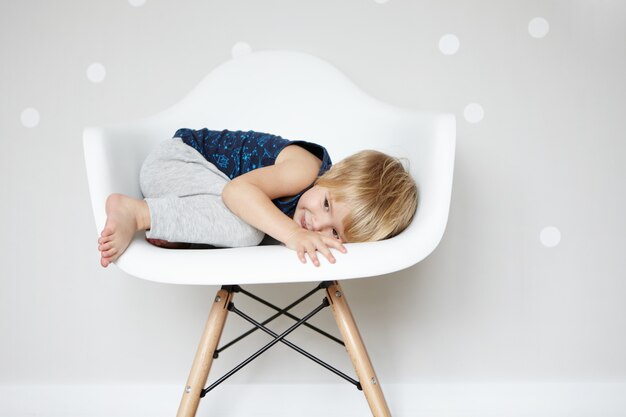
{"x":493,"y":304}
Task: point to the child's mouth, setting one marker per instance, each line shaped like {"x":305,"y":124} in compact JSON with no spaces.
{"x":303,"y":223}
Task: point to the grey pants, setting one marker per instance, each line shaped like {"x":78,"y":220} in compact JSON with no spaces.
{"x":184,"y":194}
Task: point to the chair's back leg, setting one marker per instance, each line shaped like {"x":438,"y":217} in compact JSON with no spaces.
{"x":356,"y":349}
{"x":204,"y":355}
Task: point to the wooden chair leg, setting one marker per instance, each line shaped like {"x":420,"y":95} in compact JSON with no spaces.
{"x":356,"y":349}
{"x":204,"y":355}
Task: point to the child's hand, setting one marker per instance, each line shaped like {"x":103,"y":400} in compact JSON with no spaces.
{"x":307,"y":242}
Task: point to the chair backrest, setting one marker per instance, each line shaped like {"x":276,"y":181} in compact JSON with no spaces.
{"x":296,"y":96}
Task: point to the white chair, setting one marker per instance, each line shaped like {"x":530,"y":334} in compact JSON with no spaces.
{"x":297,"y":96}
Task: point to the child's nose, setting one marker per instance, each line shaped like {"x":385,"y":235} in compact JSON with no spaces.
{"x":322,"y":222}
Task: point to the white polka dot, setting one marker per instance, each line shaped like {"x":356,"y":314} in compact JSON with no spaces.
{"x":449,"y":44}
{"x":241,"y":49}
{"x":538,"y":27}
{"x":30,"y":117}
{"x":381,"y":1}
{"x":96,"y":72}
{"x":137,"y":3}
{"x":550,"y":236}
{"x":473,"y":113}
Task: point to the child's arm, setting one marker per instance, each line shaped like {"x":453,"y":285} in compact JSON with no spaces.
{"x":250,"y":197}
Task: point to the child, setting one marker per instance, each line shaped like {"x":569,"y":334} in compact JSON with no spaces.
{"x":228,"y":188}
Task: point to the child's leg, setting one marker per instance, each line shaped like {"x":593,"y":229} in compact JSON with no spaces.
{"x":199,"y":219}
{"x":183,"y":192}
{"x":183,"y":204}
{"x":174,"y":168}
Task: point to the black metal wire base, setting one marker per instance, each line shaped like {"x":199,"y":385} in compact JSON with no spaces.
{"x":278,"y":337}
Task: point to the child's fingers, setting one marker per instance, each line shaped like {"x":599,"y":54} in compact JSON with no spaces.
{"x":334,"y":243}
{"x":301,"y":255}
{"x":313,"y":255}
{"x":326,"y":252}
{"x":308,"y":248}
{"x":331,"y":242}
{"x":339,"y":246}
{"x":321,"y":244}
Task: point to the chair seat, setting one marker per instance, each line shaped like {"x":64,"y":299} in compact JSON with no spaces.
{"x":298,"y":97}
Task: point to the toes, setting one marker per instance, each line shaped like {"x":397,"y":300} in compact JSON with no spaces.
{"x":107,"y":231}
{"x":105,"y":262}
{"x":105,"y":246}
{"x":109,"y":253}
{"x":118,"y":230}
{"x":109,"y":257}
{"x":105,"y":239}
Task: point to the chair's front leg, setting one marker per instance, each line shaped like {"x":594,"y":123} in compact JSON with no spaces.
{"x":204,"y":355}
{"x":356,"y":349}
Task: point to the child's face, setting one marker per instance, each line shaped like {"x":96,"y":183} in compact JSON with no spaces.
{"x":318,"y":211}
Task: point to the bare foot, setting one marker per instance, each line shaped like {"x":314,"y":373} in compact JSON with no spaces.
{"x":125,"y":216}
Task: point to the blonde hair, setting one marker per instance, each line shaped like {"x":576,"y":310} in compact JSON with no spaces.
{"x":380,"y":192}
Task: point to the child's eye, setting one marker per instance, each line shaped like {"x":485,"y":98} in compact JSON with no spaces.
{"x":326,"y":204}
{"x":335,"y":234}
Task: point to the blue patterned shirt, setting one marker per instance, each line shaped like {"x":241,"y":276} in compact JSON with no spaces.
{"x":236,"y":152}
